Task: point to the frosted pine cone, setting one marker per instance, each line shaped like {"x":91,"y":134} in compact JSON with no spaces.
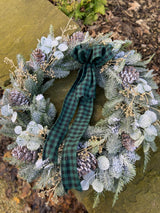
{"x":128,"y":142}
{"x":37,"y":58}
{"x":129,"y":74}
{"x":17,"y":98}
{"x":24,"y":154}
{"x":76,"y":38}
{"x":86,"y":162}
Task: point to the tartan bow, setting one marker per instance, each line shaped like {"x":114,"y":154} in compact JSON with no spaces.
{"x":80,"y":96}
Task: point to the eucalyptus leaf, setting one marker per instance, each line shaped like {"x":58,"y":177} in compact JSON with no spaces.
{"x":136,"y":135}
{"x":33,"y":144}
{"x":146,"y":147}
{"x":145,"y":121}
{"x":149,"y":138}
{"x":139,"y":141}
{"x":85,"y":185}
{"x":151,"y":130}
{"x":152,"y":115}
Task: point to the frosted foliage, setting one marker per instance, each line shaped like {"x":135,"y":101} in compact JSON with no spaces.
{"x":113,"y":144}
{"x":42,"y":111}
{"x":31,"y":137}
{"x":116,"y":167}
{"x":133,"y":156}
{"x":36,"y":116}
{"x":51,"y":111}
{"x":61,"y":73}
{"x":106,"y":179}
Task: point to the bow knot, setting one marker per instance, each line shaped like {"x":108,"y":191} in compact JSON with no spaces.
{"x":90,"y":58}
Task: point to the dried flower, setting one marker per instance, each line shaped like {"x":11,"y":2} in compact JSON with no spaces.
{"x":46,"y":44}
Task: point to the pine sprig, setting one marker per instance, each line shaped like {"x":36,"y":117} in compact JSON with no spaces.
{"x":147,"y":157}
{"x":119,"y":188}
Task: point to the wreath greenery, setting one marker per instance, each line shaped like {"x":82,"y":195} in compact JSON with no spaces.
{"x":106,"y":154}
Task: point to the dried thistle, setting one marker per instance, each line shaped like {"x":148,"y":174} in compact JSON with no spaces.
{"x":131,"y":93}
{"x":50,"y":194}
{"x":20,"y":74}
{"x":67,"y":28}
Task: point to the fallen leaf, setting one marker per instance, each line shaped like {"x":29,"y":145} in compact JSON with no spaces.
{"x":105,"y":28}
{"x":27,"y":208}
{"x":17,"y":200}
{"x":144,"y":25}
{"x":129,"y":13}
{"x":9,"y":192}
{"x":134,"y":6}
{"x":26,"y":190}
{"x":2,"y":167}
{"x":7,"y":154}
{"x":139,"y":31}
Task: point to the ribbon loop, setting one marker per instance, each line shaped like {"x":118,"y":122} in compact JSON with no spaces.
{"x":91,"y":58}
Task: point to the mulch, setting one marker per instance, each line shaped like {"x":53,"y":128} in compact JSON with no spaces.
{"x":138,"y":21}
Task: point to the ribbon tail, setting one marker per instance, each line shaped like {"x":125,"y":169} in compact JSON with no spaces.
{"x":59,"y":130}
{"x":70,"y":177}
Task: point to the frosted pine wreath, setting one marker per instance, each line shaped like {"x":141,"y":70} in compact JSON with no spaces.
{"x":58,"y":154}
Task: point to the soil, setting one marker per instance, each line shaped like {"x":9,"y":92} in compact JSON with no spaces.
{"x":138,"y":21}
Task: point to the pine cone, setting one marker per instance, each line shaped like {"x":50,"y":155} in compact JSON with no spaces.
{"x":128,"y":142}
{"x":17,"y":98}
{"x":129,"y":74}
{"x":37,"y":57}
{"x":76,"y":38}
{"x":24,"y":154}
{"x":86,"y":162}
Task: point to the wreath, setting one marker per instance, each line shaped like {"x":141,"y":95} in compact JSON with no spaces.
{"x":105,"y":153}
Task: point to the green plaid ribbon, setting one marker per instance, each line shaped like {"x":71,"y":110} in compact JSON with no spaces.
{"x":80,"y":97}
